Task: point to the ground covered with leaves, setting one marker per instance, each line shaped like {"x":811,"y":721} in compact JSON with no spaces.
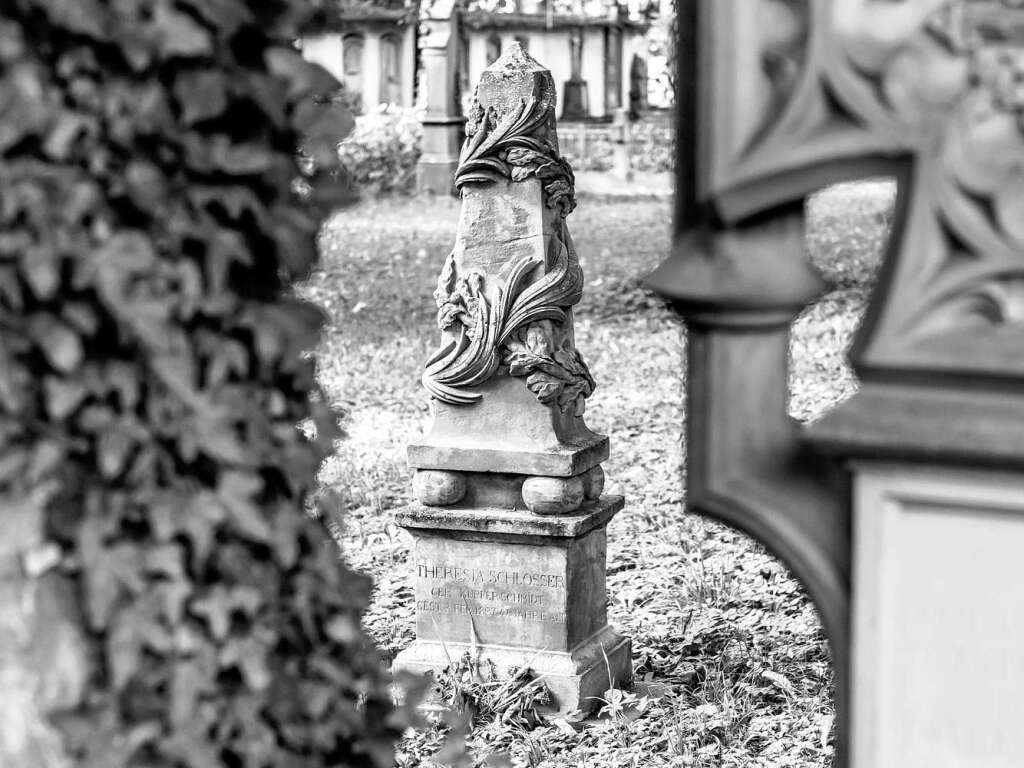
{"x":731,"y":662}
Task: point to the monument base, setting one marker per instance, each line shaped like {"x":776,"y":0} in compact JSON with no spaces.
{"x":577,"y":679}
{"x":515,"y":589}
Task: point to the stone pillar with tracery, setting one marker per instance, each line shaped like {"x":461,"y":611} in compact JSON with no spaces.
{"x":510,"y":524}
{"x":902,"y":510}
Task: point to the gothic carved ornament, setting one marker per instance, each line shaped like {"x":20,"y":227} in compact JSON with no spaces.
{"x":929,"y":90}
{"x":776,"y":99}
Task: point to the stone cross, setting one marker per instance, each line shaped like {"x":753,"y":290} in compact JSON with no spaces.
{"x":510,"y":527}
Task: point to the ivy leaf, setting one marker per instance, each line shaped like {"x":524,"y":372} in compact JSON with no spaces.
{"x":227,"y":16}
{"x":112,"y":451}
{"x":62,"y":396}
{"x":217,"y":438}
{"x":236,"y":491}
{"x":64,"y":134}
{"x":301,"y":77}
{"x":219,"y":153}
{"x":59,"y":344}
{"x":146,"y":184}
{"x":40,"y":268}
{"x":191,"y":745}
{"x":189,"y":680}
{"x":177,"y":34}
{"x":84,"y":17}
{"x":110,"y":573}
{"x":202,"y":95}
{"x":132,"y":629}
{"x":322,"y":126}
{"x":23,"y":107}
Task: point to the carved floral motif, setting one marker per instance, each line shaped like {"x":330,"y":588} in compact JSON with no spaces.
{"x":516,"y":147}
{"x":553,"y":369}
{"x":481,"y":334}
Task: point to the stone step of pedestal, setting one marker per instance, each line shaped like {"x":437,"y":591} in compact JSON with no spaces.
{"x":510,"y":522}
{"x":577,"y":679}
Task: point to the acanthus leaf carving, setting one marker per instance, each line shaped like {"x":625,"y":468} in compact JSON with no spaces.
{"x":511,"y":307}
{"x":554,"y":370}
{"x":479,"y":329}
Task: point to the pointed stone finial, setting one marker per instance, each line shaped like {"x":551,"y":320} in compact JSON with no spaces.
{"x":516,"y":78}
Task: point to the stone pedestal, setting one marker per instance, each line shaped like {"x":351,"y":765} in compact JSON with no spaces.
{"x":520,"y":590}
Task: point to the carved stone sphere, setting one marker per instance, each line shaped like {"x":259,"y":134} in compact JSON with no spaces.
{"x":437,"y":488}
{"x":593,"y":483}
{"x":553,"y":495}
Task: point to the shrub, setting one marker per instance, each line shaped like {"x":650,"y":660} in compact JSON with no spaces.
{"x":380,"y":155}
{"x":651,"y":145}
{"x":152,"y":376}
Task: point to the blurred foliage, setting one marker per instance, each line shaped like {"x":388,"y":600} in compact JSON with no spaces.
{"x":152,"y":376}
{"x":380,"y":155}
{"x":591,"y":147}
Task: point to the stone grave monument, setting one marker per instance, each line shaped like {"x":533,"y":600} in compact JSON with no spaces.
{"x":510,"y":524}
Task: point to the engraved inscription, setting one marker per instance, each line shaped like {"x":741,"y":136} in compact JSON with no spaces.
{"x":494,"y":593}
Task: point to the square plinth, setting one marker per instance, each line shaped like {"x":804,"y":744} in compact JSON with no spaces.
{"x":523,"y":589}
{"x":507,"y":430}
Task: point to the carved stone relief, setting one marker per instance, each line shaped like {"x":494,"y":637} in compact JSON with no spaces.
{"x":519,"y":324}
{"x":938,"y":83}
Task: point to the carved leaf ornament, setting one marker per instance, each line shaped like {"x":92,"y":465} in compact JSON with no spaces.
{"x":498,"y":150}
{"x":479,"y":328}
{"x":519,"y":327}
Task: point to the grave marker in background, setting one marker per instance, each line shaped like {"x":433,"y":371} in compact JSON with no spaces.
{"x":510,"y":528}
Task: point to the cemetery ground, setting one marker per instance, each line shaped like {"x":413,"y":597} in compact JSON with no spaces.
{"x":731,"y":663}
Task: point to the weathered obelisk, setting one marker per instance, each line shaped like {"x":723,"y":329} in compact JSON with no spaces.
{"x":510,"y":528}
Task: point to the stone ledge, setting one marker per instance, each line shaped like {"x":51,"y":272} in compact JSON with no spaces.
{"x":561,"y":461}
{"x":577,"y":678}
{"x":510,"y":522}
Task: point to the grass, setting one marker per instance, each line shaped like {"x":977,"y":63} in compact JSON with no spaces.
{"x":730,"y":658}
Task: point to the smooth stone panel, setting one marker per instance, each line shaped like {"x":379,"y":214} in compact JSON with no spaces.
{"x":938,"y":617}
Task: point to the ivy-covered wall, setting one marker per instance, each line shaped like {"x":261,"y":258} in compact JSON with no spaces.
{"x":168,"y":601}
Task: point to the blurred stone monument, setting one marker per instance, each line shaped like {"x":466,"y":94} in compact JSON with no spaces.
{"x":442,"y":121}
{"x":510,"y":524}
{"x":577,"y":99}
